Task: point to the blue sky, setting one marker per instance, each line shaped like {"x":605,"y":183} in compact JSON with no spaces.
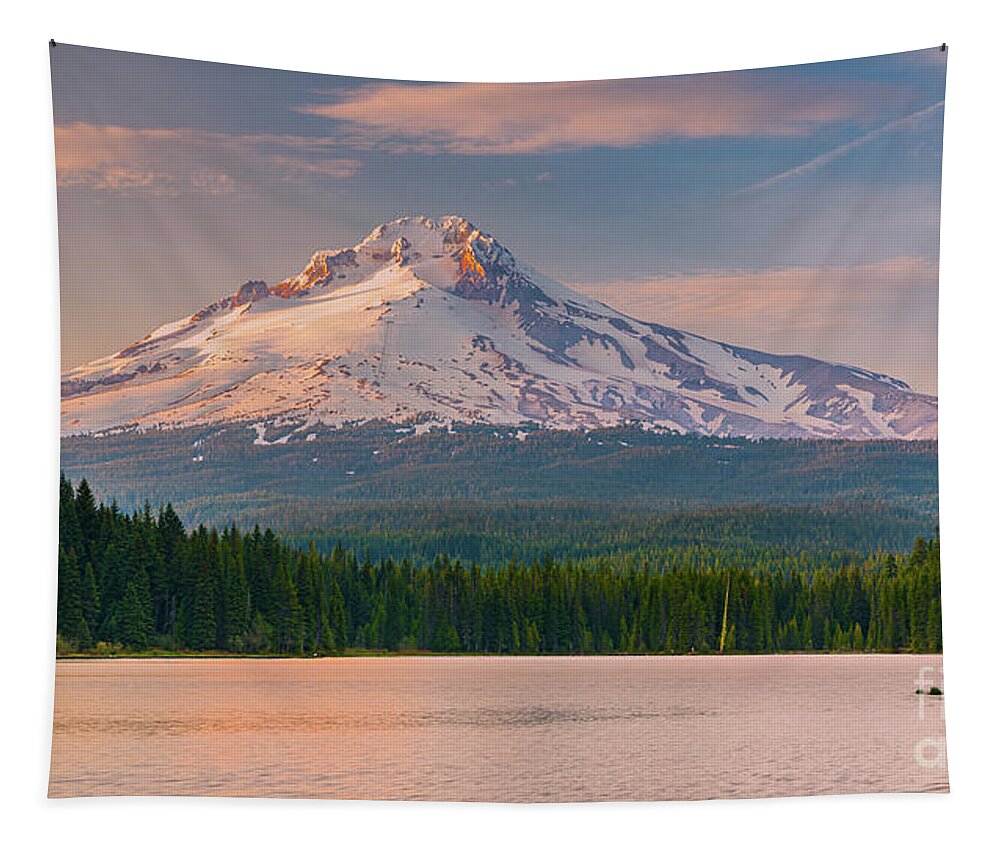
{"x":791,"y":209}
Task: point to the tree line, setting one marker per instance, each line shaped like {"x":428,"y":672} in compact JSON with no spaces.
{"x":141,"y":580}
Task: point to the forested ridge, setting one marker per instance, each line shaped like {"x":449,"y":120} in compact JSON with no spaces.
{"x":139,"y":580}
{"x":301,"y":476}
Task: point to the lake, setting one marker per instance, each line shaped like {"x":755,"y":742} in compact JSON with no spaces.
{"x":499,"y":728}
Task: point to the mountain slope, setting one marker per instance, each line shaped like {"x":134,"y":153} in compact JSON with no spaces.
{"x":434,"y":317}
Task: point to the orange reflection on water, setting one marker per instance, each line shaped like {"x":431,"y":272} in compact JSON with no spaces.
{"x":494,"y":729}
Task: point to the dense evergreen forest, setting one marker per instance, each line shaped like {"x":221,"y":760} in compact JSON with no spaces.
{"x":301,"y":476}
{"x":491,"y":494}
{"x":795,"y":536}
{"x":130,"y":581}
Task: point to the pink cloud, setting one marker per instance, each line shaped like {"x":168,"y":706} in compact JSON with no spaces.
{"x":519,"y":118}
{"x":866,"y":315}
{"x":176,"y":162}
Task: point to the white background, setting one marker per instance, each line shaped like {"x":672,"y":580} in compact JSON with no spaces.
{"x":504,"y":40}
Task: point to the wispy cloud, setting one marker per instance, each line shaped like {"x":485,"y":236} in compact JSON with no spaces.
{"x":905,"y":123}
{"x":183,"y":162}
{"x":818,"y":311}
{"x":511,"y":118}
{"x":519,"y":182}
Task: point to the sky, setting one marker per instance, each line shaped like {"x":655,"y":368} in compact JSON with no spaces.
{"x":793,"y":209}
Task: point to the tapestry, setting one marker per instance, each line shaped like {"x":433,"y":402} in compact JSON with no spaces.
{"x":501,"y":442}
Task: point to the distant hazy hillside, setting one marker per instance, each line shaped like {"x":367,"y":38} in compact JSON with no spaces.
{"x":383,"y":479}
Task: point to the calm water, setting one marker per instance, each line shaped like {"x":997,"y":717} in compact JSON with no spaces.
{"x":498,"y":729}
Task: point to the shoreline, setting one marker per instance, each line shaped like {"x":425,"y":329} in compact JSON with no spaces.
{"x":422,"y":654}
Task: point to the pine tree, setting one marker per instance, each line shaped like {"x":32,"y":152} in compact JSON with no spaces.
{"x":532,"y":639}
{"x":70,"y":535}
{"x":135,"y":624}
{"x":90,"y":598}
{"x":236,"y":604}
{"x":70,"y":621}
{"x":857,"y":638}
{"x":286,"y":613}
{"x":337,"y":618}
{"x":201,"y":626}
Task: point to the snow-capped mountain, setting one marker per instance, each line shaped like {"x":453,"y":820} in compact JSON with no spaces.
{"x":435,"y":317}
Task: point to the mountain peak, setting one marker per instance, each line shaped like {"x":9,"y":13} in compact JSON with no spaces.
{"x":400,"y":241}
{"x":454,"y":229}
{"x":434,"y":317}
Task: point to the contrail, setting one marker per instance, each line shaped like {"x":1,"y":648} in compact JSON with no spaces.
{"x":830,"y":156}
